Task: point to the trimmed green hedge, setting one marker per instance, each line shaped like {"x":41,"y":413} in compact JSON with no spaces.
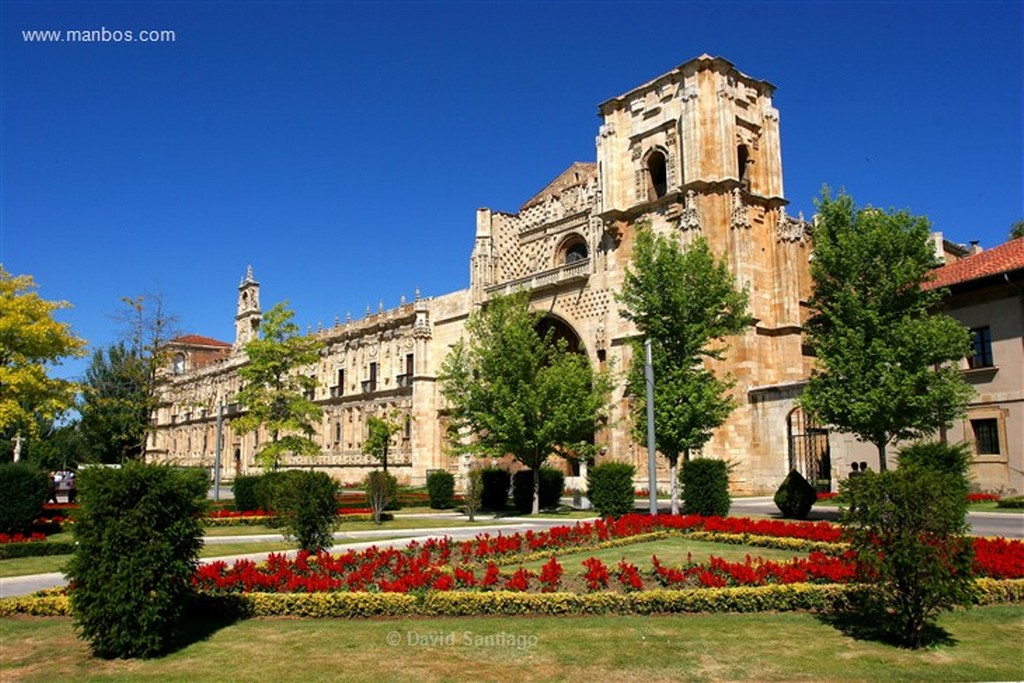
{"x":9,"y":551}
{"x":610,"y":488}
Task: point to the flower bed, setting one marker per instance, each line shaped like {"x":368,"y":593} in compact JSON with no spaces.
{"x":981,"y":497}
{"x":444,"y":565}
{"x":22,"y":538}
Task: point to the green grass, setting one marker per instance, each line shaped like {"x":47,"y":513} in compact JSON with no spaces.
{"x":983,"y":645}
{"x":670,"y":551}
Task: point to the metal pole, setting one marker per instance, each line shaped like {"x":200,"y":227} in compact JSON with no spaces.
{"x":652,"y":465}
{"x":219,"y":447}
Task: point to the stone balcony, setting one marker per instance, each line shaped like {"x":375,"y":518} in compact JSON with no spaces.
{"x":577,"y":271}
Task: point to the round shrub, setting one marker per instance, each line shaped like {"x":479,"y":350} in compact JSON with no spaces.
{"x":496,"y":482}
{"x":705,"y":485}
{"x":795,"y":497}
{"x":307,"y":505}
{"x":23,"y":490}
{"x":267,"y":487}
{"x":610,"y":488}
{"x":139,"y":534}
{"x":441,"y":489}
{"x":244,"y":490}
{"x":552,"y":483}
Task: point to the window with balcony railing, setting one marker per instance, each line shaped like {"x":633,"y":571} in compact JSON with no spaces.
{"x":404,"y":381}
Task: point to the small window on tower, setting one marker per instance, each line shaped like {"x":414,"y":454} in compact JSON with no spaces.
{"x":657,"y":180}
{"x":743,"y":165}
{"x":179,"y":364}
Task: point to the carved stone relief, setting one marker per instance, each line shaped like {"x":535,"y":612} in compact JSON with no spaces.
{"x":739,"y":216}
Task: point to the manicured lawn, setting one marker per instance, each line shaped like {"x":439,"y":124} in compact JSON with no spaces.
{"x":670,"y":551}
{"x":983,"y":646}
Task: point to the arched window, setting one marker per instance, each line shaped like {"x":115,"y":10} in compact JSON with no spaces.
{"x":657,"y":178}
{"x":572,"y":249}
{"x":743,"y":165}
{"x":179,"y":364}
{"x":577,"y":252}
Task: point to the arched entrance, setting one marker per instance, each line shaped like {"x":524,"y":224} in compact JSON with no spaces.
{"x":808,"y":449}
{"x":561,"y":331}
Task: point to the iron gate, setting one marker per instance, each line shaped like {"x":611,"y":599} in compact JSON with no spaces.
{"x":808,"y":449}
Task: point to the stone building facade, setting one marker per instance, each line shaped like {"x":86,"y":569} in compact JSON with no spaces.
{"x":693,"y":152}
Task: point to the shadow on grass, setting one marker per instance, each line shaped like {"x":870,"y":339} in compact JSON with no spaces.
{"x":870,"y":625}
{"x":205,"y":616}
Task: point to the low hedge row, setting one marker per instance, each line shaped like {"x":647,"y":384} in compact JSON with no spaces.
{"x":1016,"y":503}
{"x":271,"y":521}
{"x":9,"y":551}
{"x":777,"y":542}
{"x":775,"y":598}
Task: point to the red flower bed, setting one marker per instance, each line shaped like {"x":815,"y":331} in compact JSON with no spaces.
{"x":441,"y":564}
{"x":981,"y":497}
{"x":827,"y":495}
{"x":234,"y":514}
{"x":22,"y":538}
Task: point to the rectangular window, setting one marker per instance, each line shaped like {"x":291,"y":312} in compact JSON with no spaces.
{"x":981,"y":348}
{"x":986,"y":436}
{"x":409,"y":364}
{"x":407,"y":428}
{"x":341,"y":382}
{"x":337,"y":432}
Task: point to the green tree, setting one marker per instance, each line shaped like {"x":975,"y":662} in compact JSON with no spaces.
{"x":1017,"y":230}
{"x":32,"y":343}
{"x":520,"y":393}
{"x":275,"y":390}
{"x":686,"y":303}
{"x":885,"y":358}
{"x":116,"y":405}
{"x":380,"y":431}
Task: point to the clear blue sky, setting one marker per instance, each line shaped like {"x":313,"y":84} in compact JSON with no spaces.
{"x":342,"y":148}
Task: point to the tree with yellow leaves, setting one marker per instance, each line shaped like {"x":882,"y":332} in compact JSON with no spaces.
{"x":32,"y":343}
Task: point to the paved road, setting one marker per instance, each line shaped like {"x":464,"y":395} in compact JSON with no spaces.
{"x":1005,"y":524}
{"x":982,"y":524}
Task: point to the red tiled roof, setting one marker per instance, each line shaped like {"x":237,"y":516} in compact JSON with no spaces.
{"x":1002,"y":259}
{"x":198,"y":340}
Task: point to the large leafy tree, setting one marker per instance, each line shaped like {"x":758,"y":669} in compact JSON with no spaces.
{"x":275,"y":390}
{"x":116,"y":404}
{"x":885,"y":357}
{"x":32,"y":343}
{"x":686,"y":303}
{"x":518,"y":392}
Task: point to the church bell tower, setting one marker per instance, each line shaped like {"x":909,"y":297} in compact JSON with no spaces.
{"x":249,"y":316}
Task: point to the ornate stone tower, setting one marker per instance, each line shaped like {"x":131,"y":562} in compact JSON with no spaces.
{"x":696,"y":152}
{"x":247,"y":320}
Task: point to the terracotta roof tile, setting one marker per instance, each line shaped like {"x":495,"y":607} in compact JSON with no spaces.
{"x":1002,"y":259}
{"x":198,"y":340}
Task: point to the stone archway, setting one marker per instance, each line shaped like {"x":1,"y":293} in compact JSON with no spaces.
{"x":561,"y":330}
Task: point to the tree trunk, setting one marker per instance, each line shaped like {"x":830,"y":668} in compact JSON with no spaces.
{"x":673,"y":462}
{"x":536,"y":490}
{"x":881,"y":456}
{"x":385,"y":458}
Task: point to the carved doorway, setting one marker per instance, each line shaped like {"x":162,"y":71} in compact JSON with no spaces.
{"x":808,"y":449}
